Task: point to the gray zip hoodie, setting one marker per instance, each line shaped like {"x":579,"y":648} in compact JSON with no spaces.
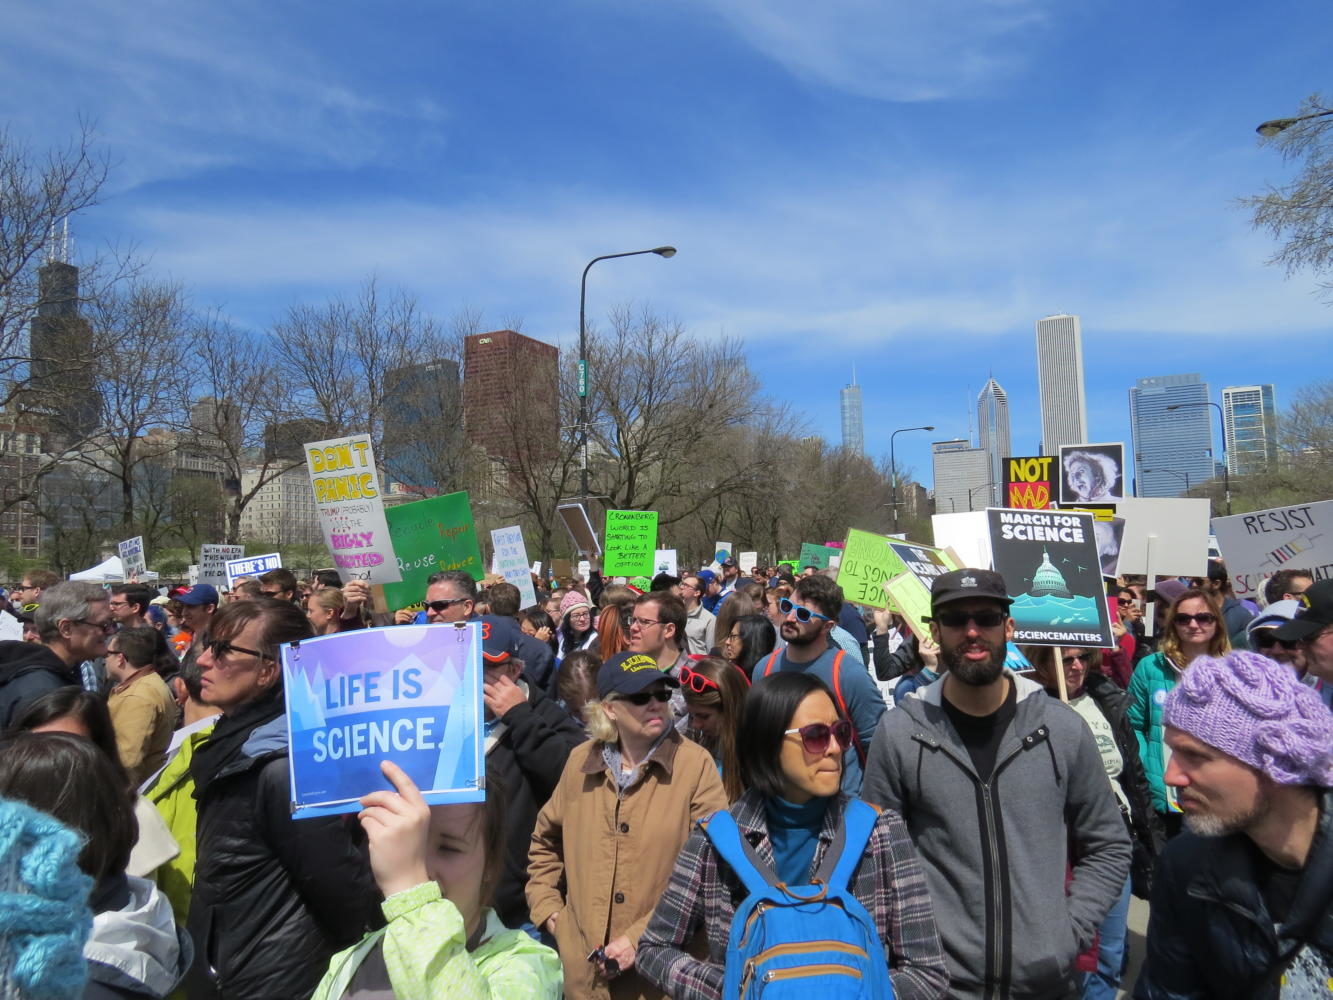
{"x":995,"y":853}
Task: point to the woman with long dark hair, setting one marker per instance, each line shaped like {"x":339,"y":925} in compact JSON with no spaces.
{"x":748,"y":640}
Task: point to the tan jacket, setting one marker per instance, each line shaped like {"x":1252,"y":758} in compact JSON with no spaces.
{"x":143,"y":714}
{"x":614,"y":855}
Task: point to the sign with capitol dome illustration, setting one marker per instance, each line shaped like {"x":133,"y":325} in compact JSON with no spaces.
{"x":1051,"y":569}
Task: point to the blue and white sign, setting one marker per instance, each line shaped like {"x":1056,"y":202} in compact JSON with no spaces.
{"x":251,"y":566}
{"x":511,"y":562}
{"x":407,"y":693}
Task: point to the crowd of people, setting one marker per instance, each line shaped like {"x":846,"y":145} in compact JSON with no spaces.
{"x":716,"y":785}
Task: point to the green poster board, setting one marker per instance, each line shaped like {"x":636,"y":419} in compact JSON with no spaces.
{"x":816,"y":555}
{"x":429,"y":536}
{"x":791,"y":564}
{"x":867,"y":561}
{"x":912,"y":598}
{"x":629,"y":543}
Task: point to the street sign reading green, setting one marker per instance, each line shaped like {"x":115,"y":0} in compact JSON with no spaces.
{"x":583,"y":377}
{"x":629,"y":542}
{"x":817,"y":555}
{"x":429,"y":536}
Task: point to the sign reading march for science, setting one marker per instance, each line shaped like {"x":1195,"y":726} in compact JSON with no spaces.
{"x":630,"y":542}
{"x":407,"y":693}
{"x":1258,"y":544}
{"x":351,"y":509}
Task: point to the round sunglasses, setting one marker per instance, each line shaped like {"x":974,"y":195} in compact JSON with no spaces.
{"x":815,"y":737}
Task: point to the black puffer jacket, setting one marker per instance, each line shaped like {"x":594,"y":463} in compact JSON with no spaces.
{"x":274,"y":898}
{"x":29,"y":670}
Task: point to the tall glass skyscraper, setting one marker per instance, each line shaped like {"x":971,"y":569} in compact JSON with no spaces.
{"x":1064,"y":409}
{"x":1173,"y":450}
{"x":993,"y":423}
{"x":1250,"y":415}
{"x":853,"y":423}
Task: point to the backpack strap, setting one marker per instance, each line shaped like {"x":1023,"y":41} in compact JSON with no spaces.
{"x":768,"y":663}
{"x":737,"y":852}
{"x":842,"y":706}
{"x":844,"y":854}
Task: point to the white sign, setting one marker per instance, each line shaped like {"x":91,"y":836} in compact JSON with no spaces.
{"x":213,"y":563}
{"x":10,"y":627}
{"x":511,"y":562}
{"x":192,"y":573}
{"x":251,"y":566}
{"x":585,"y":570}
{"x":351,"y":508}
{"x":967,"y":533}
{"x":747,"y":561}
{"x":664,"y":561}
{"x":1256,"y":545}
{"x":1164,"y":537}
{"x":131,"y":556}
{"x":719,"y":548}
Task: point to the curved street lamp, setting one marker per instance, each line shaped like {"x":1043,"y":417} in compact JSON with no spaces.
{"x":1273,"y":126}
{"x":983,"y":486}
{"x":1169,"y":472}
{"x":893,"y":467}
{"x":1221,"y":419}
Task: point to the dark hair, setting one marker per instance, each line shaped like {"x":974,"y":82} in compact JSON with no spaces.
{"x":71,"y":779}
{"x":539,"y":619}
{"x":136,"y":594}
{"x":769,"y":708}
{"x":66,"y":702}
{"x":192,"y":677}
{"x":137,"y":645}
{"x":329,"y":578}
{"x":1280,"y":583}
{"x":462,"y":581}
{"x":283,"y":578}
{"x":663,"y":581}
{"x":283,"y":622}
{"x":758,"y":637}
{"x":505,"y":599}
{"x":670,"y":611}
{"x":823,"y":591}
{"x":576,"y":681}
{"x":1217,"y":571}
{"x":494,"y":834}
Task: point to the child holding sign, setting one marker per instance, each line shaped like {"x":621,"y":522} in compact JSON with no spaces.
{"x":436,"y":867}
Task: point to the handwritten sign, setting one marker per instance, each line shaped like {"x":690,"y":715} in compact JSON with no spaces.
{"x":430,"y":536}
{"x":351,"y":509}
{"x":511,"y":562}
{"x":630,"y":541}
{"x":131,"y":556}
{"x":1258,"y":544}
{"x":234,"y":569}
{"x":817,"y":556}
{"x":867,"y":562}
{"x":407,"y":693}
{"x":213,"y":559}
{"x":1028,"y":482}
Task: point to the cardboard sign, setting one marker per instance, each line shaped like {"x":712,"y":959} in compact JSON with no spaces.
{"x":722,"y":551}
{"x":747,"y":561}
{"x":868,"y":561}
{"x":248,"y":566}
{"x":1257,"y":545}
{"x":1164,"y":537}
{"x":511,"y":562}
{"x":664,"y":560}
{"x":407,"y":693}
{"x":1028,"y":482}
{"x":575,"y":518}
{"x":816,"y":555}
{"x":631,"y":540}
{"x":131,"y":556}
{"x":924,"y":561}
{"x":1092,"y":473}
{"x":1049,"y":562}
{"x":351,"y":509}
{"x":912,"y":598}
{"x":213,"y":563}
{"x":430,"y":536}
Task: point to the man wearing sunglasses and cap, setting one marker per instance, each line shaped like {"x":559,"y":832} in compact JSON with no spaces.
{"x":1000,"y":786}
{"x":1312,"y":629}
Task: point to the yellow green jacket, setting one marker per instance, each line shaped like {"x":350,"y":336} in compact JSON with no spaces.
{"x":425,"y":952}
{"x":172,"y":793}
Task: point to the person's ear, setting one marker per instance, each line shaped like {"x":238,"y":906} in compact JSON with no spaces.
{"x":935,"y":632}
{"x":1008,"y":629}
{"x":269,"y":672}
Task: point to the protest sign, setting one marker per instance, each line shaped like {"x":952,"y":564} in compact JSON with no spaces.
{"x":213,"y":563}
{"x":1092,"y":473}
{"x":723,"y":551}
{"x":791,"y":564}
{"x":630,"y":540}
{"x":924,"y":561}
{"x":664,"y":560}
{"x":407,"y":693}
{"x":511,"y":561}
{"x":1110,"y":532}
{"x":1258,"y":544}
{"x":11,"y":629}
{"x":967,"y":534}
{"x":816,"y":555}
{"x":1164,"y":536}
{"x":562,"y":569}
{"x":747,"y":561}
{"x":234,"y":569}
{"x":912,"y":599}
{"x":131,"y":557}
{"x":867,"y":562}
{"x":1049,"y":563}
{"x":351,"y":509}
{"x":192,"y":574}
{"x":430,"y":536}
{"x":584,"y":570}
{"x":575,"y":518}
{"x":1028,"y":481}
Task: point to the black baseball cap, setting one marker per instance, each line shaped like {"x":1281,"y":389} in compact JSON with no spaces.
{"x":1316,"y":612}
{"x":963,"y":584}
{"x":630,"y":673}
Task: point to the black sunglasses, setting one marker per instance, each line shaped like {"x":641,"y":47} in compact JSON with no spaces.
{"x":1203,"y":618}
{"x":441,"y":606}
{"x":661,"y":696}
{"x":221,"y":647}
{"x":815,"y":737}
{"x":959,"y":619}
{"x":1268,"y":641}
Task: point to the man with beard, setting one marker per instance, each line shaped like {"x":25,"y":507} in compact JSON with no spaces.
{"x":996,"y":781}
{"x":1242,"y":902}
{"x":810,"y":616}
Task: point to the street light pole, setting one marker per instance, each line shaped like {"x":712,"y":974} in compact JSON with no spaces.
{"x":990,"y":486}
{"x":1272,"y":127}
{"x":893,"y":468}
{"x":1222,"y":420}
{"x":583,"y":354}
{"x":1170,"y":472}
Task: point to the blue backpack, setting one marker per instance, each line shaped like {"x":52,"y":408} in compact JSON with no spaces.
{"x":802,"y":940}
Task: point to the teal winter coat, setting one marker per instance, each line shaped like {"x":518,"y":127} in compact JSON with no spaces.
{"x":1151,"y":682}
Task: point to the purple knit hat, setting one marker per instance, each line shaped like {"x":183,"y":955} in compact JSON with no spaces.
{"x":1257,"y":711}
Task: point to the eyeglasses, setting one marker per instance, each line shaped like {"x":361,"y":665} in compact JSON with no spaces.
{"x":1266,"y":640}
{"x":661,"y":696}
{"x":441,"y":606}
{"x":803,"y":614}
{"x":960,"y":619}
{"x":1125,"y":602}
{"x":697,"y":682}
{"x":731,"y":637}
{"x":643,"y":622}
{"x":117,"y":604}
{"x":106,"y":628}
{"x":220,"y":648}
{"x":1203,"y":618}
{"x":1069,"y":661}
{"x":815,"y":737}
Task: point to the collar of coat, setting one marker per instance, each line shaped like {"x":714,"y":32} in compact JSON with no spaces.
{"x":664,"y":757}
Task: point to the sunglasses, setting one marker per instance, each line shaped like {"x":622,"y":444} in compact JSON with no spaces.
{"x":441,"y":606}
{"x":106,"y":628}
{"x":1262,"y":641}
{"x":1069,"y":661}
{"x":1204,"y":618}
{"x":815,"y":737}
{"x":221,"y":648}
{"x":697,"y":682}
{"x":803,"y":614}
{"x":661,"y":696}
{"x":959,"y":619}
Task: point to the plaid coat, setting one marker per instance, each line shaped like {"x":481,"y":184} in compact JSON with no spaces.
{"x":889,"y":882}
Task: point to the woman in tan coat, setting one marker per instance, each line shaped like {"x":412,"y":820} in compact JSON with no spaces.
{"x":611,"y":832}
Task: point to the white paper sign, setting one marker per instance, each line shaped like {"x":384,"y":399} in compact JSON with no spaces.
{"x":1170,"y":535}
{"x":351,"y":508}
{"x":10,"y":627}
{"x":747,"y":561}
{"x":131,"y":556}
{"x":213,"y":563}
{"x":511,"y":562}
{"x":967,"y":533}
{"x":720,"y":547}
{"x":664,"y":561}
{"x":585,"y":570}
{"x":251,"y":566}
{"x":1256,"y":545}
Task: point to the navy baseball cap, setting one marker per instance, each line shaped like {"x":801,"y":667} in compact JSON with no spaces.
{"x":200,"y":593}
{"x":630,"y":673}
{"x":962,"y":584}
{"x":499,"y":638}
{"x":1316,"y":612}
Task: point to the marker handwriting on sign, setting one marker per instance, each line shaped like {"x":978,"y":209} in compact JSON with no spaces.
{"x":353,"y":485}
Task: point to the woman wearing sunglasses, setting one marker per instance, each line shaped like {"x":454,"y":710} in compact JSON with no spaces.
{"x":749,"y":640}
{"x":604,"y":844}
{"x":791,"y":764}
{"x":714,"y":696}
{"x":1193,"y":628}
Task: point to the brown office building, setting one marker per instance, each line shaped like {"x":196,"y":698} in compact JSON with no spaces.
{"x":511,"y":394}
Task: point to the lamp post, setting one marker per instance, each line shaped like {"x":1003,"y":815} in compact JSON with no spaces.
{"x":1170,"y":472}
{"x":583,"y":353}
{"x":893,"y":467}
{"x":1222,"y":420}
{"x":984,"y":486}
{"x":1273,"y":126}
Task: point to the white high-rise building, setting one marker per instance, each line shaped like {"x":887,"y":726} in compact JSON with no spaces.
{"x":961,"y":475}
{"x":993,"y":426}
{"x":1064,"y":408}
{"x":853,"y":421}
{"x":1250,"y":416}
{"x":283,"y":511}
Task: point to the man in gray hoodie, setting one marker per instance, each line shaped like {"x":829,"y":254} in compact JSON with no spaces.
{"x":1002,"y":788}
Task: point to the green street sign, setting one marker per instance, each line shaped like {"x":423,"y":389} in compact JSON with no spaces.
{"x":583,"y":377}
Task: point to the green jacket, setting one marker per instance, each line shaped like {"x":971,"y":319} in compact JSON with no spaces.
{"x":171,"y":791}
{"x":1149,"y":685}
{"x":425,"y":952}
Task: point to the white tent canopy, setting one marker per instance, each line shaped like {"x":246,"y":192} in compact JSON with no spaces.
{"x":110,"y":571}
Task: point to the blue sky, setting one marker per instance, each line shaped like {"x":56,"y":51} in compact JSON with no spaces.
{"x":901,"y":186}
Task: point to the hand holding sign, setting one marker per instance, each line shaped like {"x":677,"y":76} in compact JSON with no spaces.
{"x":397,"y":824}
